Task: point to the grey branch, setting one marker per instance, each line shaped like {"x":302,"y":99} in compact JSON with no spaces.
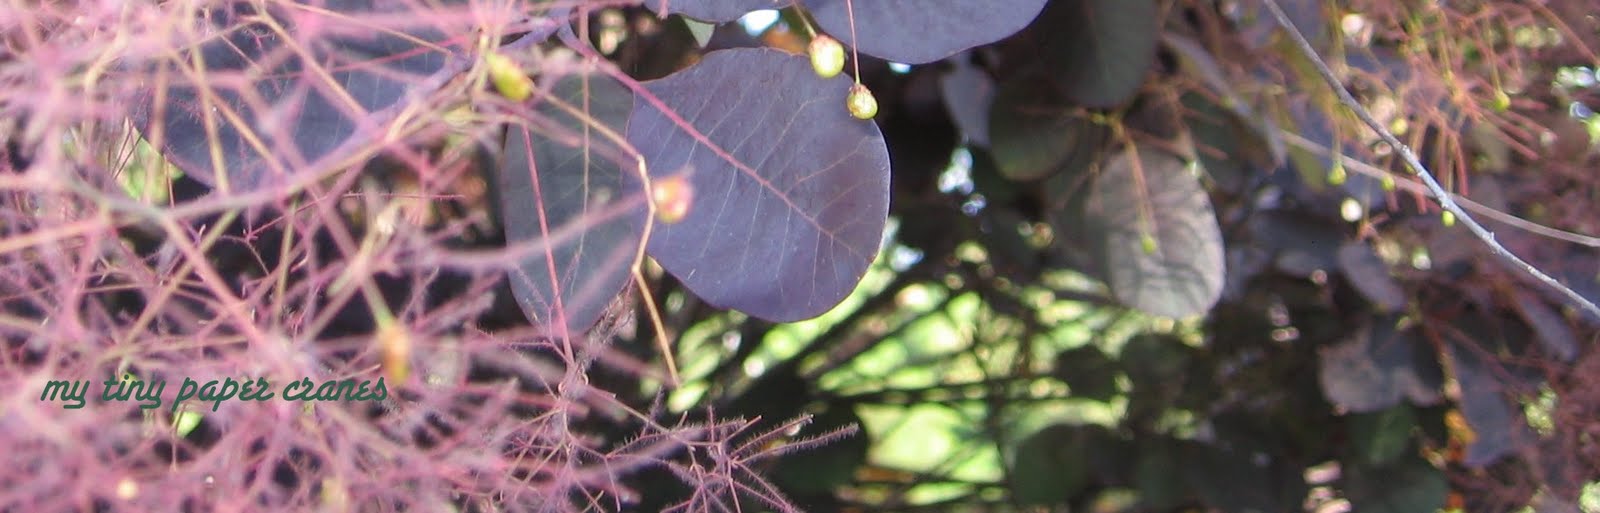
{"x":1436,"y":191}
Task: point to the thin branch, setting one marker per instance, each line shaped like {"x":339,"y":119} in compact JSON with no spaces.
{"x":1439,"y":194}
{"x":1354,"y":164}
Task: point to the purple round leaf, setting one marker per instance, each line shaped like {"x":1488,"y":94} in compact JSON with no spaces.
{"x":920,"y":31}
{"x":305,"y":109}
{"x":967,"y":92}
{"x":1100,"y":50}
{"x":1554,"y":332}
{"x":790,"y":193}
{"x":715,"y":11}
{"x":1377,"y":366}
{"x":1182,"y":274}
{"x":565,"y":183}
{"x":1034,"y":133}
{"x":1370,"y":276}
{"x":1494,"y":415}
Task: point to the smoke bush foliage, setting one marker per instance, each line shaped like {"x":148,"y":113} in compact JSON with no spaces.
{"x":205,"y":190}
{"x":456,"y":197}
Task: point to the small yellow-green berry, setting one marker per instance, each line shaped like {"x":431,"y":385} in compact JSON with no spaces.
{"x":1449,"y":218}
{"x":1399,"y":126}
{"x":672,"y":196}
{"x":1336,"y":174}
{"x":185,"y":422}
{"x":508,"y":77}
{"x":1388,"y":183}
{"x":862,"y":104}
{"x":1502,"y":101}
{"x":1148,"y":243}
{"x":827,"y":56}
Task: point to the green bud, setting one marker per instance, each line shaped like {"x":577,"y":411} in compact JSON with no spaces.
{"x":508,"y":77}
{"x":1502,"y":101}
{"x":862,"y":104}
{"x":827,"y":56}
{"x":1336,"y":174}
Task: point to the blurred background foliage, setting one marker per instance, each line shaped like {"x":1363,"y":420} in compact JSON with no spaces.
{"x":1357,"y":354}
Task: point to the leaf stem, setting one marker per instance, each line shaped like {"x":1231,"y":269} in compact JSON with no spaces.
{"x":793,"y":15}
{"x":855,"y":54}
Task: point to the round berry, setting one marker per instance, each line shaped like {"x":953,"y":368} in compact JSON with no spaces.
{"x":827,"y":56}
{"x":672,"y":195}
{"x":508,"y":77}
{"x":862,"y":104}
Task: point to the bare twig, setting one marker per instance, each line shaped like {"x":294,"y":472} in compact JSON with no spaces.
{"x":1439,"y":194}
{"x":1355,"y":164}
